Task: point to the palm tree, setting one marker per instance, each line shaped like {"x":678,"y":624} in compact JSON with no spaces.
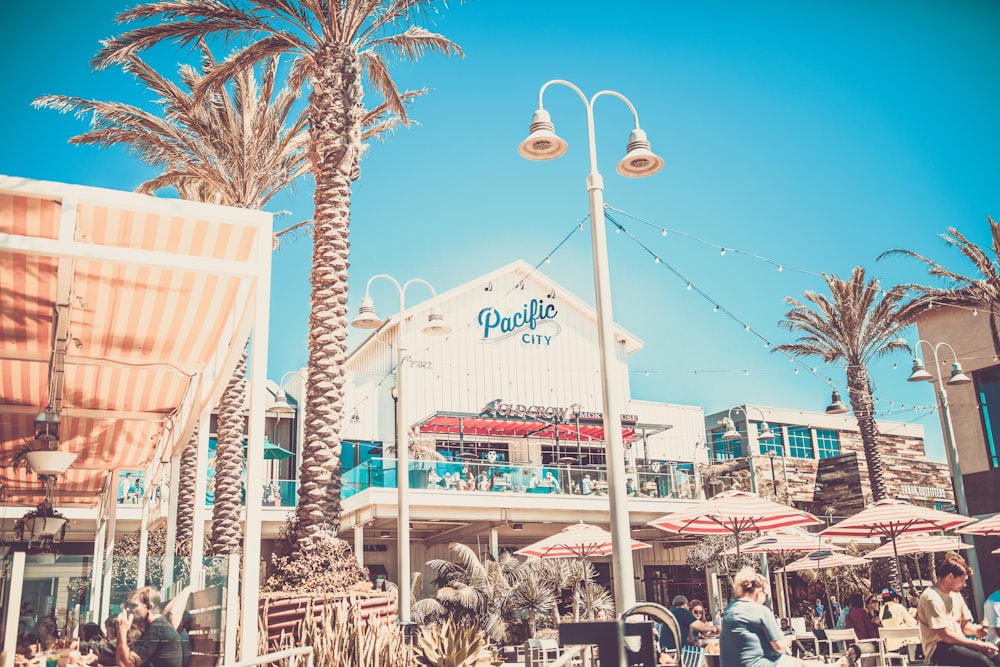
{"x":980,"y":292}
{"x":854,"y":326}
{"x":234,"y":148}
{"x":336,"y":47}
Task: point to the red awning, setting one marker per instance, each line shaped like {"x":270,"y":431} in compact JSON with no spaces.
{"x":480,"y":426}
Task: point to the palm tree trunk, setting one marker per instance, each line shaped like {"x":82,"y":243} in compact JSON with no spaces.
{"x":229,"y":464}
{"x":185,"y":493}
{"x":863,"y":405}
{"x":336,"y":111}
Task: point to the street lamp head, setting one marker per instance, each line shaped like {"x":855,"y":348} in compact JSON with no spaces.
{"x":957,"y":375}
{"x":837,"y":406}
{"x":639,"y":160}
{"x":542,"y":143}
{"x":731,"y":432}
{"x":280,"y":406}
{"x":367,"y":319}
{"x":765,"y":433}
{"x":919,"y":373}
{"x":436,"y":326}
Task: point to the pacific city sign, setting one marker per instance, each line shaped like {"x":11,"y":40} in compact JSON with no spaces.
{"x":534,"y":324}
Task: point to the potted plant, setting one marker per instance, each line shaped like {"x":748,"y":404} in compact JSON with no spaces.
{"x":43,"y":521}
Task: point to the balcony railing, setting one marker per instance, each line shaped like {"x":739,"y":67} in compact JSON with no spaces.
{"x":459,"y":476}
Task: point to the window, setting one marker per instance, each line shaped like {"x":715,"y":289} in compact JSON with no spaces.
{"x":828,"y":443}
{"x":724,"y":450}
{"x":988,"y":390}
{"x":775,"y":446}
{"x":800,"y":442}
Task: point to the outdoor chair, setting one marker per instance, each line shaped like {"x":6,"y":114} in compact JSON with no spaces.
{"x":691,"y":656}
{"x":833,"y":637}
{"x":894,"y":639}
{"x":540,"y":652}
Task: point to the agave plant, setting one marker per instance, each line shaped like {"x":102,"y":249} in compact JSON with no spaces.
{"x":453,"y":644}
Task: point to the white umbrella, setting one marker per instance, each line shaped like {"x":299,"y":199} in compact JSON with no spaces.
{"x":579,"y":540}
{"x":734,"y":513}
{"x":989,"y":526}
{"x":918,"y":543}
{"x":823,"y":559}
{"x":891,"y":519}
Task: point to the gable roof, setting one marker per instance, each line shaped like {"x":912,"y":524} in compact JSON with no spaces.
{"x":515,"y":272}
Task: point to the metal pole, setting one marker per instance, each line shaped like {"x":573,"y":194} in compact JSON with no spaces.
{"x":958,"y":483}
{"x":402,"y":478}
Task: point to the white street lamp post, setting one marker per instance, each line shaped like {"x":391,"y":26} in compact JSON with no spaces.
{"x":957,"y":377}
{"x":543,"y":144}
{"x":367,"y":319}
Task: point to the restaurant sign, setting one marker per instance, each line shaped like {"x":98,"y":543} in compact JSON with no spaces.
{"x":498,"y":408}
{"x":534,"y":324}
{"x":921,"y":491}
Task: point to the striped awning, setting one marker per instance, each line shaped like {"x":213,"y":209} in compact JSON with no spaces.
{"x":125,"y":314}
{"x":918,"y":543}
{"x":891,"y":518}
{"x":734,"y":512}
{"x":989,"y":526}
{"x":819,"y":560}
{"x":580,"y":540}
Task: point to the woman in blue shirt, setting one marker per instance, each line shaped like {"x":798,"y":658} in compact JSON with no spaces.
{"x":750,"y":634}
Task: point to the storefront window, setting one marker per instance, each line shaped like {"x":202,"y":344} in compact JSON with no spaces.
{"x":988,"y":390}
{"x":800,"y":442}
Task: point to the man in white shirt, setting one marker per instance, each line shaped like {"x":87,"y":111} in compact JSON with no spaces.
{"x":946,"y":624}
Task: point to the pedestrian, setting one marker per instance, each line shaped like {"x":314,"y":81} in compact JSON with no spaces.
{"x":835,"y":608}
{"x":991,"y":616}
{"x":819,"y":617}
{"x":751,"y":636}
{"x":945,"y":621}
{"x":159,"y":645}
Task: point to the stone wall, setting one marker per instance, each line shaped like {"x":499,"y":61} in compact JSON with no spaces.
{"x":841,"y":482}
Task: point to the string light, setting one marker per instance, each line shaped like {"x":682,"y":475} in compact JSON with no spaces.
{"x":656,"y":260}
{"x":664,"y":233}
{"x":689,"y":287}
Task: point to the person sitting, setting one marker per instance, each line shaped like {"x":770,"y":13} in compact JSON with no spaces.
{"x":686,"y":622}
{"x":751,"y":636}
{"x":534,"y":481}
{"x":433,"y":479}
{"x":945,"y":621}
{"x":798,"y":648}
{"x":894,"y":614}
{"x":851,"y":657}
{"x":859,"y":618}
{"x":29,"y":651}
{"x":586,"y":486}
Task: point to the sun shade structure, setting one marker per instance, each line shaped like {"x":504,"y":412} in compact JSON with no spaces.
{"x":892,"y":518}
{"x":918,"y":543}
{"x":581,"y":540}
{"x":734,"y":513}
{"x":820,"y":560}
{"x":123,"y":313}
{"x":989,"y":526}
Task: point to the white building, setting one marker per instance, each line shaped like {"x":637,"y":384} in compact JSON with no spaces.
{"x":511,"y":397}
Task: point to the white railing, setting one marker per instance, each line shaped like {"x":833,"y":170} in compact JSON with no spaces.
{"x":292,"y":654}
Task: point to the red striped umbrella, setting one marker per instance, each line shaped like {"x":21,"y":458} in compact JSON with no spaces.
{"x":989,"y":526}
{"x":819,"y":560}
{"x":735,"y":513}
{"x":580,"y":540}
{"x":891,"y":518}
{"x":918,"y":543}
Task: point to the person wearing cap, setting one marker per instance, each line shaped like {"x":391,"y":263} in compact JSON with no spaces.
{"x":893,"y":614}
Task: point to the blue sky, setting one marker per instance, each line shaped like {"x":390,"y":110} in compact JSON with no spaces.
{"x":813,"y":134}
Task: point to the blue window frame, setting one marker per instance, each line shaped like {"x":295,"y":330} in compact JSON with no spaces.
{"x":828,"y":443}
{"x":800,"y":442}
{"x":988,"y":391}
